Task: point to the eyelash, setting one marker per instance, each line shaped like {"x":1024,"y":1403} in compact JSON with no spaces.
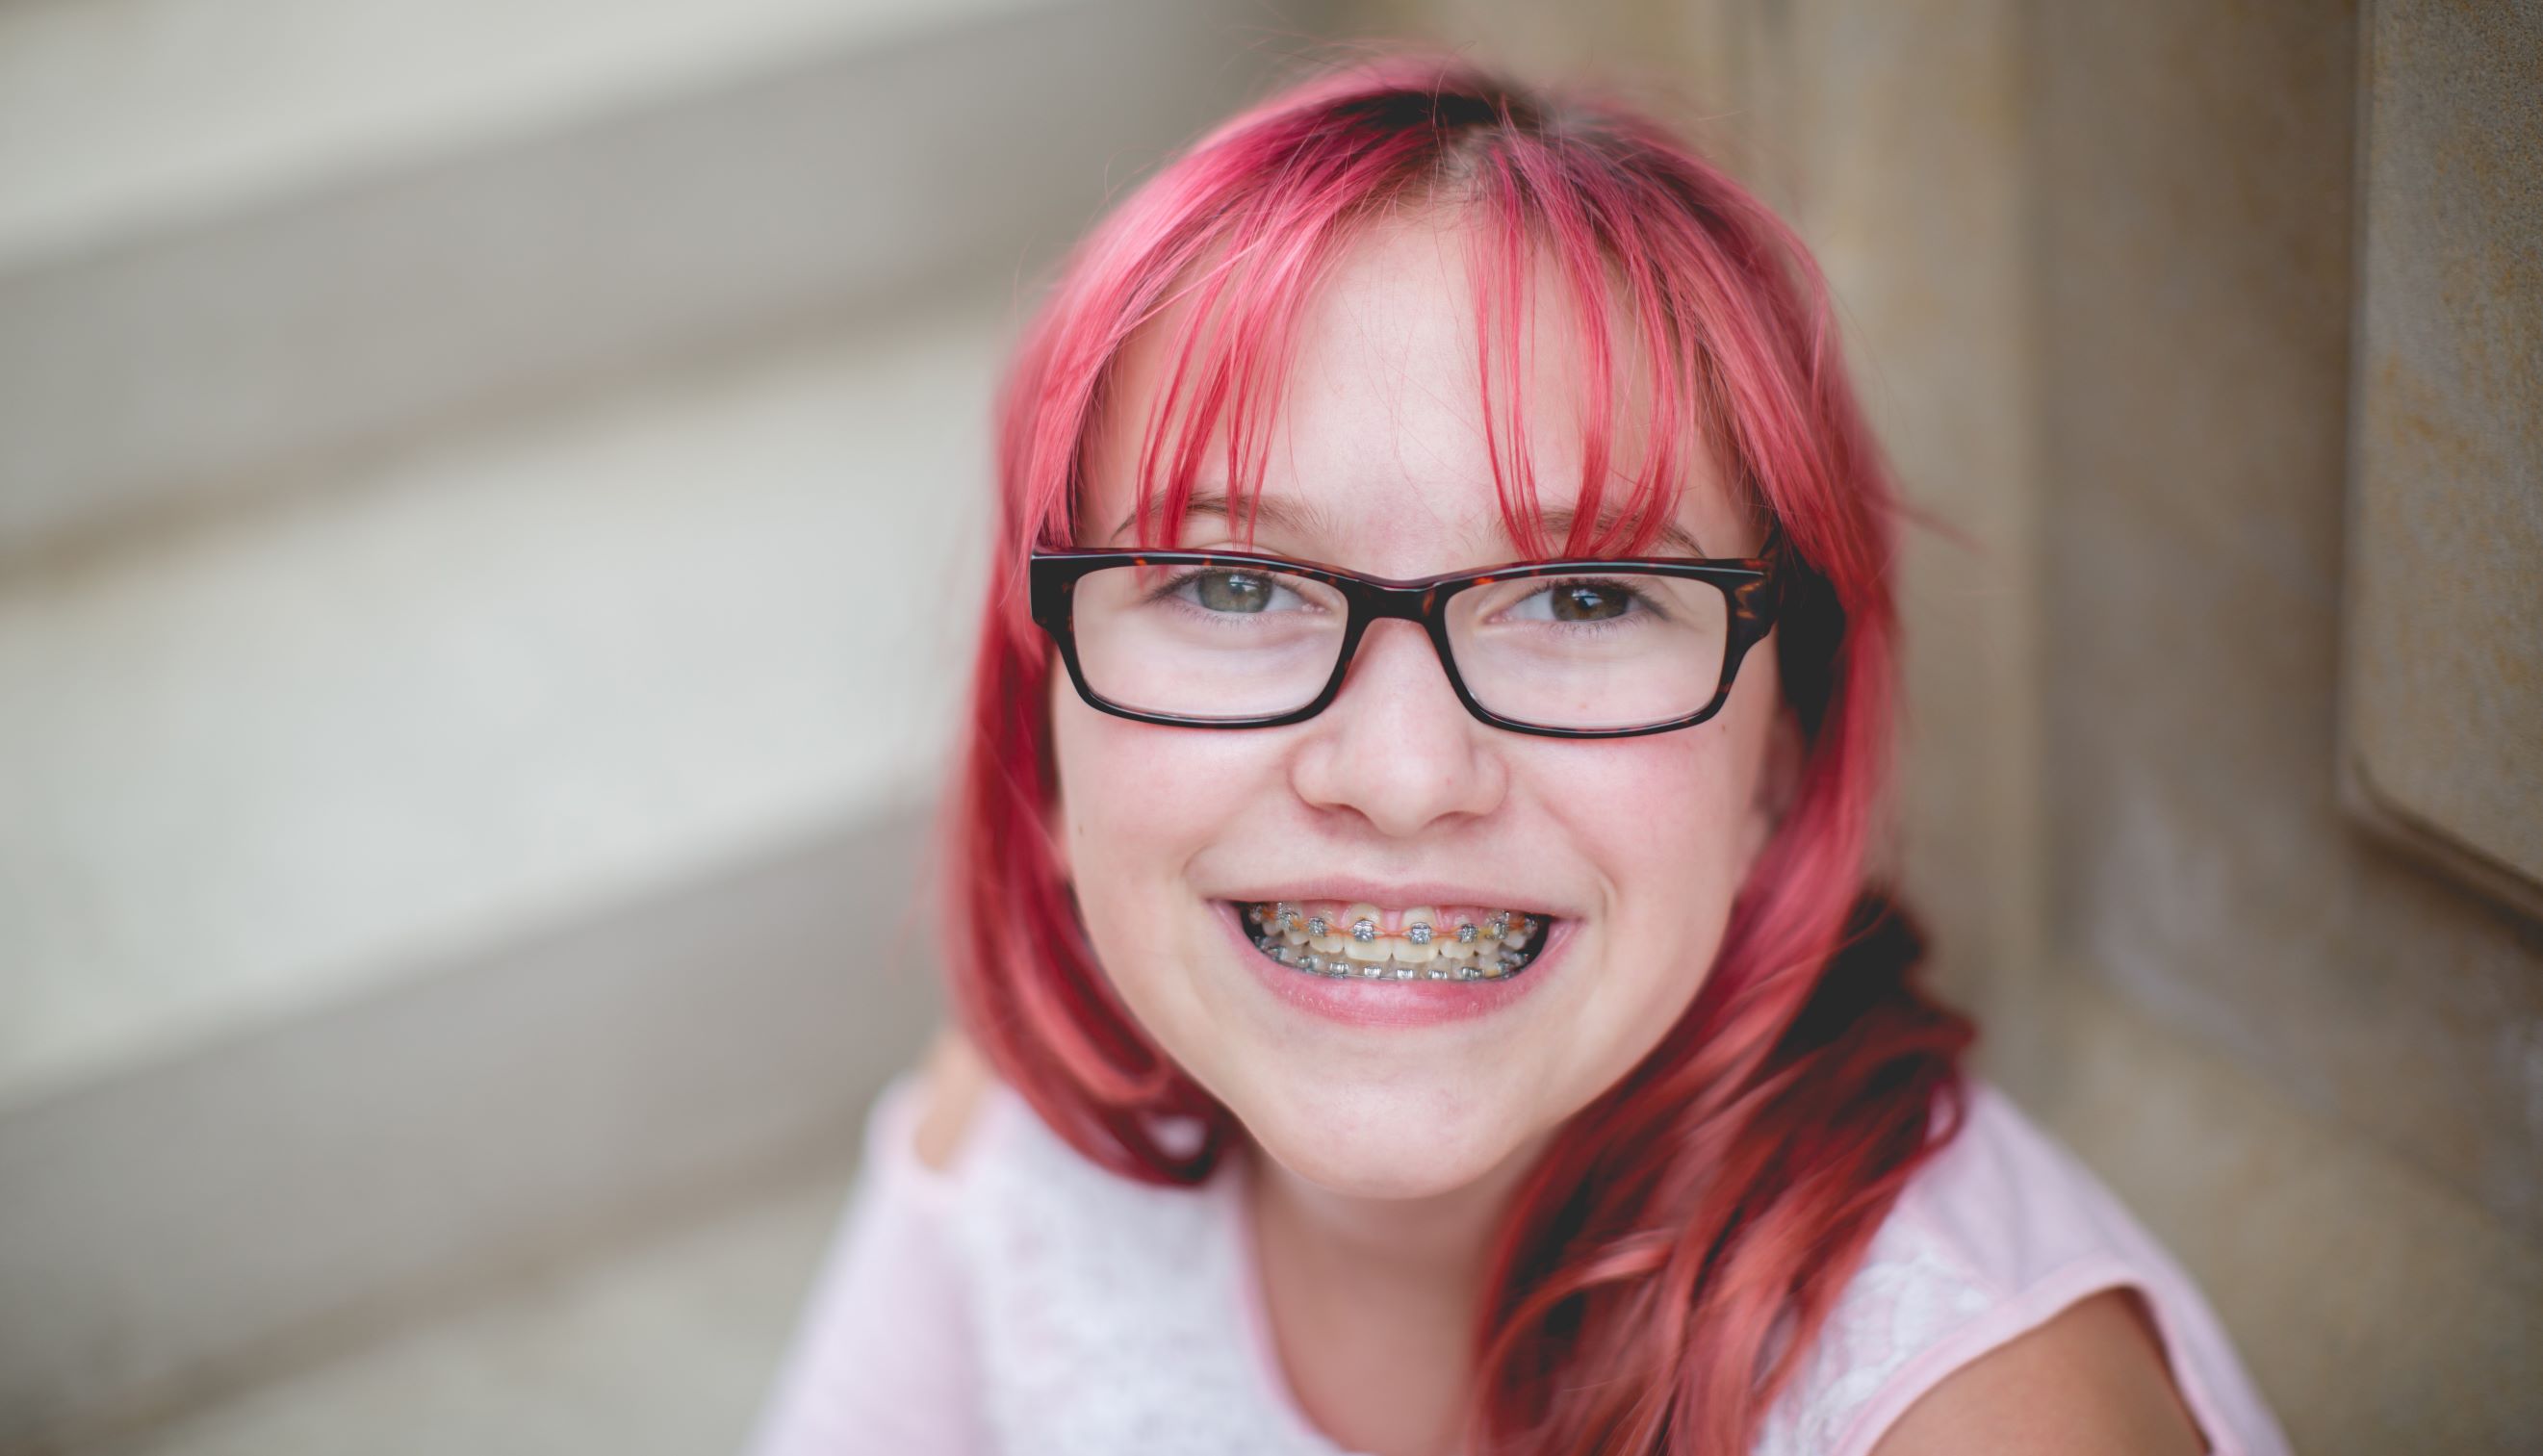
{"x":1642,"y":600}
{"x":1176,"y":583}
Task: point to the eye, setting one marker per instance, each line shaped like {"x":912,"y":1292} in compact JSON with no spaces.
{"x":1234,"y":591}
{"x":1579,"y":599}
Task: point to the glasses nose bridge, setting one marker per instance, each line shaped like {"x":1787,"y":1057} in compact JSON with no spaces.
{"x":1384,"y":601}
{"x":1381,"y":601}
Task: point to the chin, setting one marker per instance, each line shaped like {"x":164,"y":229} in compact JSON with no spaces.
{"x":1392,"y":1143}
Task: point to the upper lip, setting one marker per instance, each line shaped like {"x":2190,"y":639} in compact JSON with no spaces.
{"x":1394,"y":895}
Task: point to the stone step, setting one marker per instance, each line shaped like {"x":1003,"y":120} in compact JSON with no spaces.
{"x":410,"y":869}
{"x":484,"y":687}
{"x":663,"y":1345}
{"x":236,"y":234}
{"x":478,"y":487}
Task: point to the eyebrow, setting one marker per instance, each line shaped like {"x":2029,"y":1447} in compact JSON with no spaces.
{"x":1296,"y":518}
{"x":1558,"y":521}
{"x":1310,"y":520}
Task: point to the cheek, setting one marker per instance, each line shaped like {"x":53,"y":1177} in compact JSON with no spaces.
{"x":1133,"y":795}
{"x":1661,"y":808}
{"x":1662,"y":820}
{"x":1137,"y":804}
{"x":1672,"y":822}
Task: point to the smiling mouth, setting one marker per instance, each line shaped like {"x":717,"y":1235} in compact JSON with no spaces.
{"x":1362,"y":942}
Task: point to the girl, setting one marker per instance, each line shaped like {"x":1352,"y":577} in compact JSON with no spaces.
{"x":1418,"y":982}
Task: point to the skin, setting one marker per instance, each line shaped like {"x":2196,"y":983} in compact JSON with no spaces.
{"x":1389,"y":1155}
{"x":1384,"y":1158}
{"x":2089,"y":1382}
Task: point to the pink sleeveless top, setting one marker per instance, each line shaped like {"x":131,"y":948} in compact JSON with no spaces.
{"x":1025,"y":1300}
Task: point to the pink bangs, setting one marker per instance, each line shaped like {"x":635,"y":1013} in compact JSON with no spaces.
{"x":1695,"y":1223}
{"x":1225,"y":251}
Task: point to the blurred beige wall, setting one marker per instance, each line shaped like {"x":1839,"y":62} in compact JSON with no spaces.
{"x":2096,"y":268}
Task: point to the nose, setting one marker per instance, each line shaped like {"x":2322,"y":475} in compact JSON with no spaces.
{"x":1396,"y":747}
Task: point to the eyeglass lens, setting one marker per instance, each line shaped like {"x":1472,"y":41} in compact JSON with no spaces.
{"x":1603,"y":649}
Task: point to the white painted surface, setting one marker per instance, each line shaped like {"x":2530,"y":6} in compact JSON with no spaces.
{"x":504,"y":254}
{"x":209,"y":1218}
{"x":480,"y":689}
{"x":663,"y":1346}
{"x":123,"y":116}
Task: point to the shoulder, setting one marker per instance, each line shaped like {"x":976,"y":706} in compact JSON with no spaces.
{"x":2091,"y":1380}
{"x":930,"y":1132}
{"x":2006,"y":1283}
{"x":1100,"y":1310}
{"x":885,"y":1352}
{"x":952,"y":1083}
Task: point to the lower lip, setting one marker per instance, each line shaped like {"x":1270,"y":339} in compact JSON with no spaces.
{"x":1393,"y":1003}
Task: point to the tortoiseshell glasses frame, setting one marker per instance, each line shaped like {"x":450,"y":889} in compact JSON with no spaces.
{"x":1748,"y":585}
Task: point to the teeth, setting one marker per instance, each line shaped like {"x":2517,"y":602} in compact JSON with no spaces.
{"x":1354,"y":941}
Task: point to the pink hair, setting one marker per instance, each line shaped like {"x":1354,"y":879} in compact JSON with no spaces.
{"x":1668,"y":1263}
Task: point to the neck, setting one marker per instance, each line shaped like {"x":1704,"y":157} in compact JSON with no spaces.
{"x":1441,"y":1239}
{"x":1355,"y":1285}
{"x":1424,"y":1258}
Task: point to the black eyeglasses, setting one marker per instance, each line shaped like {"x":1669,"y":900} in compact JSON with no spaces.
{"x":1608,"y":649}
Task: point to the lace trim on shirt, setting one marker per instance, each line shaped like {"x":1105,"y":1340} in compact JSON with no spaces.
{"x":1108,"y":1315}
{"x":1104,"y":1307}
{"x":1907,"y":1297}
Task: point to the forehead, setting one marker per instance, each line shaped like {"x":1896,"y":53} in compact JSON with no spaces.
{"x":1378,"y":452}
